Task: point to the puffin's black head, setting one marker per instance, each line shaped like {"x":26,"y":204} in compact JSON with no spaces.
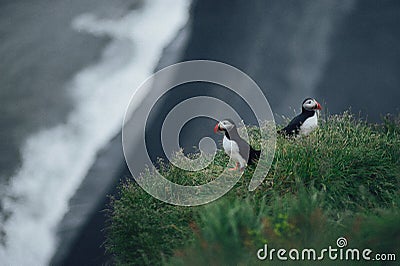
{"x":310,"y":104}
{"x":225,"y":125}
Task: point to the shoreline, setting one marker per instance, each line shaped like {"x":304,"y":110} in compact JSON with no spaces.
{"x":81,"y":239}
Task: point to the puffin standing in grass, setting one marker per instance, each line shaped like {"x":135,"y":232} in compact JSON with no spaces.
{"x":306,"y":122}
{"x":237,"y":148}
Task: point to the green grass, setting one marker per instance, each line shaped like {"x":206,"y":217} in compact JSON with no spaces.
{"x":342,"y":180}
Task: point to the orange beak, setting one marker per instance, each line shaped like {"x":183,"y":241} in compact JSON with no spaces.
{"x":319,"y":107}
{"x":216,"y":128}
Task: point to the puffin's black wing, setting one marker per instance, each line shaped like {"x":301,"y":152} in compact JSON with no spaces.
{"x":253,"y":156}
{"x":247,"y":152}
{"x":293,"y":128}
{"x":244,"y":147}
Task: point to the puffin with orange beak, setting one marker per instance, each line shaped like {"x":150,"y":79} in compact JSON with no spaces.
{"x":236,"y":147}
{"x":306,"y":122}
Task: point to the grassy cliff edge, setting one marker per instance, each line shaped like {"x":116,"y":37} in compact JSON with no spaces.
{"x":341,"y":181}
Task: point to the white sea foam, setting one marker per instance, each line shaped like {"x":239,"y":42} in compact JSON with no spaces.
{"x":56,"y":160}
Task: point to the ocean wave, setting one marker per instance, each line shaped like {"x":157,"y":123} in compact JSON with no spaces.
{"x":55,"y":160}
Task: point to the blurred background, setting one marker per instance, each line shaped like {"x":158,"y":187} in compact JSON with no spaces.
{"x":69,"y":68}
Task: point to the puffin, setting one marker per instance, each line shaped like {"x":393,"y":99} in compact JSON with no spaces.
{"x":306,"y":122}
{"x":236,"y":147}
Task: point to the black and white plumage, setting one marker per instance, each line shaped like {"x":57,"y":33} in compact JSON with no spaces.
{"x":237,"y":148}
{"x":306,"y":122}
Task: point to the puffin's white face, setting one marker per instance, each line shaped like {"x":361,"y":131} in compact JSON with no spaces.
{"x":311,"y":105}
{"x":224,"y":125}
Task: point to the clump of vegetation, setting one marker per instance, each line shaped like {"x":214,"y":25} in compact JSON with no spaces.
{"x":342,"y":180}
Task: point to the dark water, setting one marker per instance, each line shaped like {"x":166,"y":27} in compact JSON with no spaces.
{"x":67,"y":93}
{"x":39,"y":53}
